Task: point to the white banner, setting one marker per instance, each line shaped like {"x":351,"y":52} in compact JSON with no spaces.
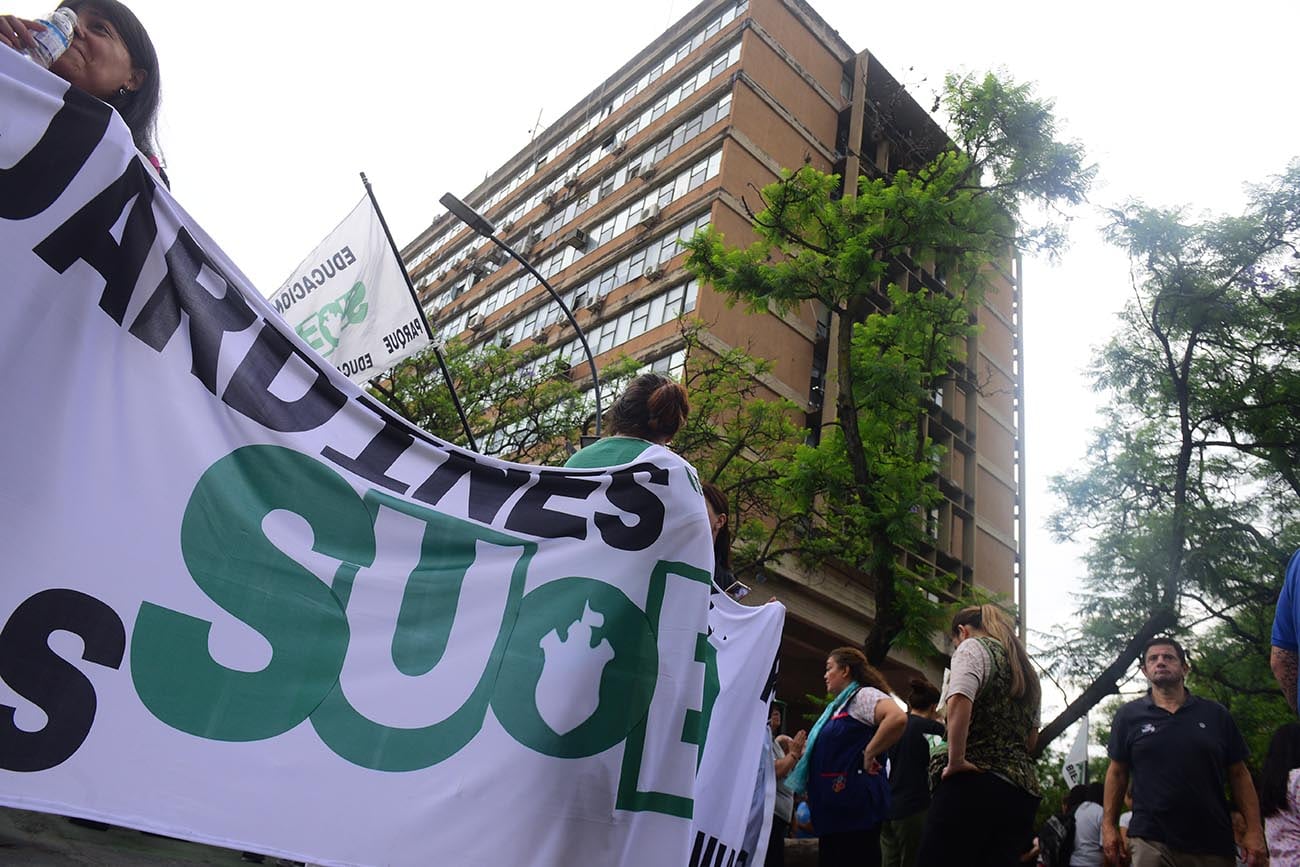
{"x":731,"y":821}
{"x":350,"y":302}
{"x":1076,"y":762}
{"x":241,"y":604}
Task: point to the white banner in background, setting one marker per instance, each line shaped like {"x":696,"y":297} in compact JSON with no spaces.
{"x":240,"y":604}
{"x":1075,"y":767}
{"x":350,"y":302}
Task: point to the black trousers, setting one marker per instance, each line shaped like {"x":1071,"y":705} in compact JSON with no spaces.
{"x":776,"y":843}
{"x":850,"y":849}
{"x":978,"y":820}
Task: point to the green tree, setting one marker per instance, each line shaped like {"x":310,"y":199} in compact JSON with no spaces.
{"x":862,"y":493}
{"x":743,"y":439}
{"x":527,"y":407}
{"x":1188,"y":495}
{"x":521,"y":404}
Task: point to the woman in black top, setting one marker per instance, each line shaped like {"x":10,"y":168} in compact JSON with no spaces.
{"x":909,"y":761}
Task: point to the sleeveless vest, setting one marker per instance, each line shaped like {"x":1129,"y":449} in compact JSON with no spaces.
{"x":1000,"y":725}
{"x":841,"y":795}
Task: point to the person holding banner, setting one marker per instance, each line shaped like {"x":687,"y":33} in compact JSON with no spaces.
{"x":841,"y":770}
{"x":111,"y":58}
{"x":649,"y":412}
{"x":982,"y":810}
{"x":715,"y":502}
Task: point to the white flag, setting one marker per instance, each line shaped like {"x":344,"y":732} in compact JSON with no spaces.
{"x":350,"y":300}
{"x":1077,"y":761}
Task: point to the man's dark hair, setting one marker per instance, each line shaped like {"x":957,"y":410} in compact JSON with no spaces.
{"x":1162,"y":640}
{"x":1076,"y":796}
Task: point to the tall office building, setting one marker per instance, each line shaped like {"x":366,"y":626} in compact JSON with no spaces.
{"x":672,"y":142}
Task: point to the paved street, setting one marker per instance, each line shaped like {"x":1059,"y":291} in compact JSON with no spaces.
{"x":43,"y":840}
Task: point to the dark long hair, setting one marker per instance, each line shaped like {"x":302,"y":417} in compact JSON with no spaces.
{"x":139,"y":108}
{"x":653,"y":408}
{"x":1283,"y":757}
{"x":859,"y":669}
{"x":722,"y":542}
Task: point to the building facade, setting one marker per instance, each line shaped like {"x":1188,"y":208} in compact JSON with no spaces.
{"x":672,"y":142}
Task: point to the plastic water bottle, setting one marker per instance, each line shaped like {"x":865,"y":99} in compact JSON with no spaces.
{"x":55,"y":38}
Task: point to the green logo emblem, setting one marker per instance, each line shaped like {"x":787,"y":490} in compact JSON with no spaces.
{"x":583,"y":633}
{"x":324,"y":328}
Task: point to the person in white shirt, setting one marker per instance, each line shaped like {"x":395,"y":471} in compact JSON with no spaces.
{"x":1087,"y":826}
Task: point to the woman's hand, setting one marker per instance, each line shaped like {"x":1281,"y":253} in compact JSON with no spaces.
{"x":961,"y":766}
{"x":870,"y":764}
{"x":17,"y":32}
{"x":798,"y":743}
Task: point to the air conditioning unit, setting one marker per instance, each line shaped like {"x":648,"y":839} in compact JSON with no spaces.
{"x":479,"y":270}
{"x":633,"y":171}
{"x":542,"y":337}
{"x":571,"y":180}
{"x":652,"y":273}
{"x":535,"y":236}
{"x":549,"y":198}
{"x":650,"y":215}
{"x":597,"y":303}
{"x":577,"y":239}
{"x":475,"y":322}
{"x":619,"y":146}
{"x":506,"y":226}
{"x":648,"y":172}
{"x":497,"y":257}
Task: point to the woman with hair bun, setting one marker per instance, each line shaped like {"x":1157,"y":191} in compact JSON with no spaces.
{"x":982,"y":810}
{"x":841,"y":769}
{"x":649,"y":412}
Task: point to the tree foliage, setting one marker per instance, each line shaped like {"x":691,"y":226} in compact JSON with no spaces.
{"x":1188,"y":497}
{"x":520,"y":405}
{"x":526,"y":408}
{"x":743,"y":439}
{"x":862,"y":493}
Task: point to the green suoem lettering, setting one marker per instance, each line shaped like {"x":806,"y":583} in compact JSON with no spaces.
{"x":630,"y":796}
{"x":695,"y":729}
{"x":432,"y":597}
{"x":578,"y":629}
{"x":237,"y":566}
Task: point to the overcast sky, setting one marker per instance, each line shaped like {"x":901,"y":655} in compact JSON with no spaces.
{"x":271,"y":110}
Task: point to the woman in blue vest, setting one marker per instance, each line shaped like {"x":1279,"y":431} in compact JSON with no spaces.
{"x":841,"y":770}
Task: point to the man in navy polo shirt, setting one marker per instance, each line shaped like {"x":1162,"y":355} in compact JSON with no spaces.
{"x":1180,"y":751}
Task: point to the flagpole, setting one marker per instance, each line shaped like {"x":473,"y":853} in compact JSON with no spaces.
{"x":428,"y":330}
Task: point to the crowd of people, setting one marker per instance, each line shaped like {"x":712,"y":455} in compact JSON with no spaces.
{"x":953,"y":779}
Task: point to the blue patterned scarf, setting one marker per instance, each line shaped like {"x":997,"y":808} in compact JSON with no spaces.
{"x":797,"y":781}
